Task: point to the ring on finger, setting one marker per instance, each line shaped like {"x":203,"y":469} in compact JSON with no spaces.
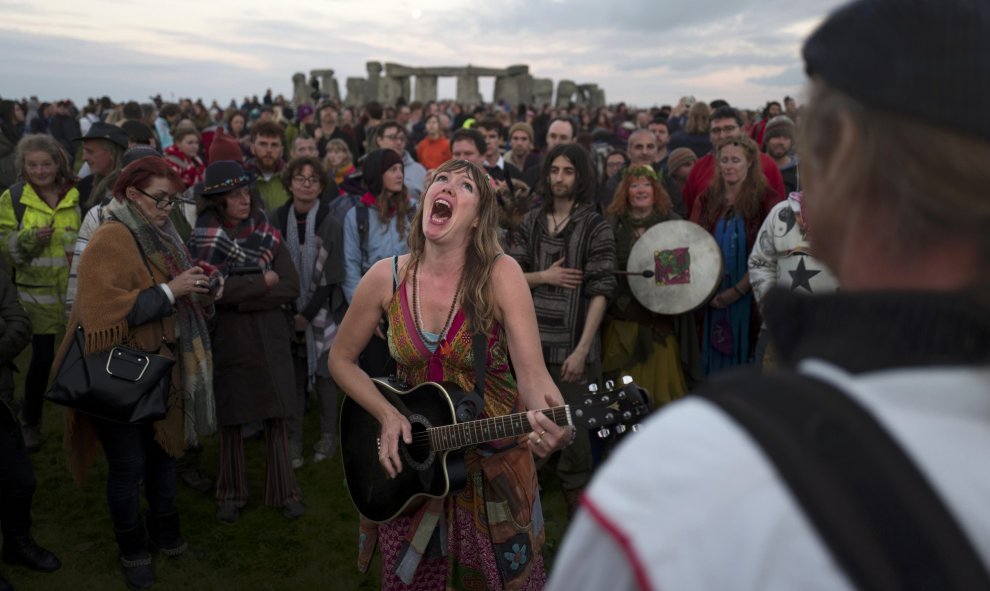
{"x":539,"y":441}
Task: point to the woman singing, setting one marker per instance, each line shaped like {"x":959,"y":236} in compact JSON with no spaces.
{"x":454,"y":283}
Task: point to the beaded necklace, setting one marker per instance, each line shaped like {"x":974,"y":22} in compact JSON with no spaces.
{"x":417,"y":314}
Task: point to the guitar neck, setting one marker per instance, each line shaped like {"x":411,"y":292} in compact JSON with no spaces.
{"x":461,"y":435}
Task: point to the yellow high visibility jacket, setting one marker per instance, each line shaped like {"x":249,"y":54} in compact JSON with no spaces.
{"x":41,"y":271}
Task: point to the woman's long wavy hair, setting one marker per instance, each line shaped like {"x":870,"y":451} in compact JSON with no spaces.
{"x":749,"y":202}
{"x":38,"y":142}
{"x":477,"y":293}
{"x":661,"y":200}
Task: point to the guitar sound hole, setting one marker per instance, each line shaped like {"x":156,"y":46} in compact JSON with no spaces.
{"x":418,"y":455}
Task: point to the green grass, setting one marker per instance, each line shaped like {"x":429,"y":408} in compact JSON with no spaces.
{"x":262,"y":551}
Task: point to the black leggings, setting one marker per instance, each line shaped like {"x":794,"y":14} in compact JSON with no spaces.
{"x":36,"y":382}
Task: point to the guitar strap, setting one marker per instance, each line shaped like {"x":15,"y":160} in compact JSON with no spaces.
{"x":872,"y":506}
{"x":472,"y":403}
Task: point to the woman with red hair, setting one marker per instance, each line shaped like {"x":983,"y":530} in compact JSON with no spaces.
{"x":137,"y":285}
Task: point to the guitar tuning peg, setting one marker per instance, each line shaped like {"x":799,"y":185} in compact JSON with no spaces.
{"x":592,"y":387}
{"x":620,"y":428}
{"x":606,"y":399}
{"x":635,"y":428}
{"x":603,"y":432}
{"x":609,"y":385}
{"x":626,"y":380}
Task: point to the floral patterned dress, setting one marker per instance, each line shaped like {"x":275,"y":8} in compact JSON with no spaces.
{"x":481,"y":553}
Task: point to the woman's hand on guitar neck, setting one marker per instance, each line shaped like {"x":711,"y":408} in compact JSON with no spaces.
{"x":546,"y":437}
{"x":394,"y":426}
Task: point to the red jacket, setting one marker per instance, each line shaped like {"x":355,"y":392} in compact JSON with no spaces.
{"x":703,"y":172}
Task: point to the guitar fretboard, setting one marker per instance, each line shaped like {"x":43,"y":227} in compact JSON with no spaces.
{"x":474,"y":432}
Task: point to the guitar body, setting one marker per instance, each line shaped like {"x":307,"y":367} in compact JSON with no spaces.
{"x":425,"y":473}
{"x":433,"y":465}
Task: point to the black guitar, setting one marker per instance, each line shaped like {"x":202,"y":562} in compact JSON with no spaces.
{"x":433,"y":465}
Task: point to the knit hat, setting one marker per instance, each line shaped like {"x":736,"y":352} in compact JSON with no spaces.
{"x":304,"y":111}
{"x":523,"y":126}
{"x":137,"y":152}
{"x":679,"y":158}
{"x":374,"y":167}
{"x":928,"y":59}
{"x":224,"y":147}
{"x":224,"y":176}
{"x":779,"y":126}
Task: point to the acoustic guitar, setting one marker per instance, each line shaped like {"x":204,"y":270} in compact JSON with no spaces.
{"x":433,"y":464}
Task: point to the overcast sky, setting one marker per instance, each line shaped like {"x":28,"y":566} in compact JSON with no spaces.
{"x":644,"y":52}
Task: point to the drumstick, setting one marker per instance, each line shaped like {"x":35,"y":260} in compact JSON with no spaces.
{"x":648,"y":274}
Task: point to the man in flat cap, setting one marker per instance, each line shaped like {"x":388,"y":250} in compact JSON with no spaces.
{"x":102,"y":148}
{"x":859,"y":463}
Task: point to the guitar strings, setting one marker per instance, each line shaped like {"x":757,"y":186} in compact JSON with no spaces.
{"x":557,"y":414}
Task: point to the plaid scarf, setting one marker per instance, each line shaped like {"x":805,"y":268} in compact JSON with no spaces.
{"x":164,"y":250}
{"x":310,"y":259}
{"x":250,"y":243}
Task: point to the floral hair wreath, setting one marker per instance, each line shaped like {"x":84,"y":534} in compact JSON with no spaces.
{"x":640,"y":171}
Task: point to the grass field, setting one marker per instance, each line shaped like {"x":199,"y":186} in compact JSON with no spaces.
{"x":262,"y":551}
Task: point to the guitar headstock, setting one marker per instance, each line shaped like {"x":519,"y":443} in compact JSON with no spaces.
{"x":618,"y":407}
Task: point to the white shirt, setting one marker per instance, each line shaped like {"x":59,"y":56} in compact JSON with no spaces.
{"x":690,"y":503}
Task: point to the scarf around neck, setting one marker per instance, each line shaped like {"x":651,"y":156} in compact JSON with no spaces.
{"x":163,"y":249}
{"x":310,"y":259}
{"x":250,"y":243}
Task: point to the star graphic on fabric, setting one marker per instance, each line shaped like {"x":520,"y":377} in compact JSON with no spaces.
{"x":802,"y":277}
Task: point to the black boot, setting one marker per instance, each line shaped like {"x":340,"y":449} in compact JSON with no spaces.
{"x":163,"y":534}
{"x":5,"y":585}
{"x":26,"y":552}
{"x":134,"y":557}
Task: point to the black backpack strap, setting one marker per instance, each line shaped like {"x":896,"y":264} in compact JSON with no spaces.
{"x":875,"y":510}
{"x":362,"y":226}
{"x":16,"y":191}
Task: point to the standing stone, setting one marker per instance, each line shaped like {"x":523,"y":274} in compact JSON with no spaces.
{"x":426,"y":88}
{"x":372,"y":90}
{"x":467,"y":88}
{"x":356,"y":88}
{"x":300,"y":90}
{"x":565,"y":93}
{"x":542,"y":92}
{"x":389,"y":90}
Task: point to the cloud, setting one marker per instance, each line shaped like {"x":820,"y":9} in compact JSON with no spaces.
{"x":639,"y":51}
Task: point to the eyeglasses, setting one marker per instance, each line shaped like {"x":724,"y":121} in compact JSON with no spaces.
{"x":163,"y":202}
{"x":726,"y":129}
{"x":306,"y":180}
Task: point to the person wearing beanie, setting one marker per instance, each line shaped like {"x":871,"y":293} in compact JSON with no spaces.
{"x":224,"y":147}
{"x":387,"y":217}
{"x":861,"y":473}
{"x":521,"y":154}
{"x":778,"y":143}
{"x":679,"y":165}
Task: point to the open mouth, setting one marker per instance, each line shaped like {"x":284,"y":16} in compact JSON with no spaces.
{"x":441,"y":212}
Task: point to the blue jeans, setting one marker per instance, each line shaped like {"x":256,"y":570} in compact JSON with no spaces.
{"x":133,"y":455}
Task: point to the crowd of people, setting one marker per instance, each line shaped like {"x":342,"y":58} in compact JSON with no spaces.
{"x":282,"y":253}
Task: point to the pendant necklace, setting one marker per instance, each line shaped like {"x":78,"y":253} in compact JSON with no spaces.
{"x":417,"y":314}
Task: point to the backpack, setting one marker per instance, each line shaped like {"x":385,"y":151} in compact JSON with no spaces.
{"x":16,"y":191}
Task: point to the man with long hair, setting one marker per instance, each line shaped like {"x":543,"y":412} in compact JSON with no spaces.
{"x":567,"y":253}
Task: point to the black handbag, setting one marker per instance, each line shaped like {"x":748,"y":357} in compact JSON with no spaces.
{"x":124,"y":384}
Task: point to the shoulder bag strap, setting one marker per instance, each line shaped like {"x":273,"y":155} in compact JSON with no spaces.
{"x":872,"y":506}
